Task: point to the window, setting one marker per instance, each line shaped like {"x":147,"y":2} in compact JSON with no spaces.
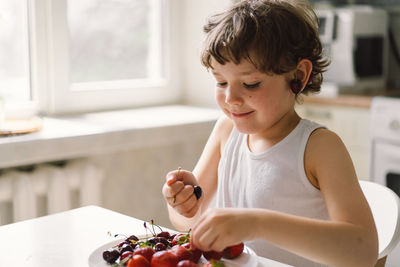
{"x":14,"y":51}
{"x":77,"y":56}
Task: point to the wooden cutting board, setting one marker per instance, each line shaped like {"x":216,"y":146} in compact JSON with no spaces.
{"x":20,"y":126}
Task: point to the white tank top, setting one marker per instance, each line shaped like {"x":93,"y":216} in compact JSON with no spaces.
{"x":274,"y":179}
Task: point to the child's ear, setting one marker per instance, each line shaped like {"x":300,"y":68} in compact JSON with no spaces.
{"x":304,"y":68}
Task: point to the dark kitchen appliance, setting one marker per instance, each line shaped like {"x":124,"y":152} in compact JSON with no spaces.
{"x":355,"y":38}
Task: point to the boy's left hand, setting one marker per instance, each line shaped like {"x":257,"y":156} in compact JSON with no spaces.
{"x":220,"y":228}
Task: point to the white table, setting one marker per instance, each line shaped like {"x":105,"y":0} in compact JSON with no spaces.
{"x":67,"y":239}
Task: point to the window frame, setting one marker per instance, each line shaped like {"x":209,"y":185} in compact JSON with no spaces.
{"x":50,"y":66}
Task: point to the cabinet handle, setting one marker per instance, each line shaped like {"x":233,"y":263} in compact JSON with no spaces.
{"x":318,"y":114}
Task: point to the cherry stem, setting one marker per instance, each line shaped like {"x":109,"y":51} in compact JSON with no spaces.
{"x":152,"y":226}
{"x":147,"y":228}
{"x":120,"y":235}
{"x":159,"y":228}
{"x":188,"y":233}
{"x":179,"y":169}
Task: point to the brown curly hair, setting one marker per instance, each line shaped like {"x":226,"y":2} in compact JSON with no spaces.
{"x":277,"y":33}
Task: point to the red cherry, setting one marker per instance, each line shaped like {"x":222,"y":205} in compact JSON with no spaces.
{"x":181,"y":252}
{"x":233,"y":251}
{"x":159,"y":247}
{"x":125,"y":254}
{"x":138,"y":261}
{"x":186,"y":263}
{"x":123,"y":243}
{"x":195,"y":254}
{"x":147,"y":252}
{"x":164,"y":234}
{"x":125,"y":247}
{"x":164,"y":258}
{"x":110,"y":256}
{"x":213,"y":255}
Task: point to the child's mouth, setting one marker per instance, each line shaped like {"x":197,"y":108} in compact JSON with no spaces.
{"x":241,"y":115}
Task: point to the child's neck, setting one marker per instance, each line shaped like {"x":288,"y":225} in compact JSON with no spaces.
{"x":258,"y":143}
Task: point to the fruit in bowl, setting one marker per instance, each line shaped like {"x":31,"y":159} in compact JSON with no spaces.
{"x":164,"y":249}
{"x":194,"y":253}
{"x":213,"y":255}
{"x":233,"y":251}
{"x":164,"y":258}
{"x":138,"y":261}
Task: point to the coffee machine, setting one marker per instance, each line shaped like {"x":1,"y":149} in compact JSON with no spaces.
{"x":355,"y":39}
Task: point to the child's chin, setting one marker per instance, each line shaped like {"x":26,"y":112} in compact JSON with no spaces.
{"x":243,"y":129}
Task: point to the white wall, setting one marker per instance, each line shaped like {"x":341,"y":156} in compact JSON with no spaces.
{"x":198,"y":84}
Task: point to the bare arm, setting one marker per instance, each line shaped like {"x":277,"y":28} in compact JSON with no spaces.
{"x":205,"y":174}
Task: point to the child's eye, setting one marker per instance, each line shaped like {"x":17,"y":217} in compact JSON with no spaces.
{"x":251,"y":86}
{"x":221,"y":84}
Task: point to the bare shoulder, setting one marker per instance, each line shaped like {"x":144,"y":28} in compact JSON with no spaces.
{"x":323,"y":133}
{"x":324,"y":142}
{"x":327,"y":159}
{"x":223,"y":129}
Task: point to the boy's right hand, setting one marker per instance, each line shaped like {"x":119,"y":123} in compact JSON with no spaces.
{"x":179,"y":193}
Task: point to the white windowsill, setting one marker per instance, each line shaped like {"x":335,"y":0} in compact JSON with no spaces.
{"x":106,"y":132}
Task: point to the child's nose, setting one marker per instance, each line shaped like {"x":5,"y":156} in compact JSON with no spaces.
{"x":233,"y":96}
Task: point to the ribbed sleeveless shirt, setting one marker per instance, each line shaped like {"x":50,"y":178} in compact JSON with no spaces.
{"x":274,"y":179}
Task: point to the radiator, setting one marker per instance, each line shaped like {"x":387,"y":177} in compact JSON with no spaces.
{"x":47,"y":189}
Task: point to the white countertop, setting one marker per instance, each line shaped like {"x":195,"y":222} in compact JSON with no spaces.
{"x":83,"y":135}
{"x":67,"y":239}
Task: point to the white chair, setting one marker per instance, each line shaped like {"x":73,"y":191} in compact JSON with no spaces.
{"x":385,"y":207}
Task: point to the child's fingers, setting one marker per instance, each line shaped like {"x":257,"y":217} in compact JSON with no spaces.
{"x":181,"y":197}
{"x":201,"y":237}
{"x":188,"y":208}
{"x":174,"y":176}
{"x":192,"y":206}
{"x":172,"y":190}
{"x":171,"y":178}
{"x":184,"y":194}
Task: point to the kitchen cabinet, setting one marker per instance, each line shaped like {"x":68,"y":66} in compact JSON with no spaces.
{"x":351,"y":123}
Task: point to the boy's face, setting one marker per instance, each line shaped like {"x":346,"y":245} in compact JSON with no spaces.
{"x":255,"y":101}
